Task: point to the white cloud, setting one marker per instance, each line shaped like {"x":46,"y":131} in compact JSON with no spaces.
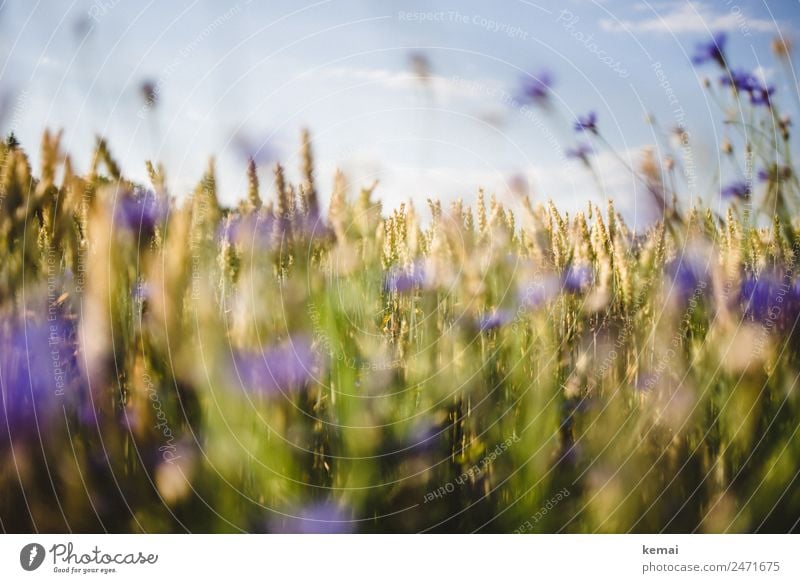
{"x":692,"y":17}
{"x":446,"y":89}
{"x":383,"y":77}
{"x":764,"y":74}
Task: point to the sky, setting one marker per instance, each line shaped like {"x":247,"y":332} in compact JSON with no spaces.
{"x":242,"y":78}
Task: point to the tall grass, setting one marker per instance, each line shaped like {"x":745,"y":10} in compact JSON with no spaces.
{"x":171,"y":366}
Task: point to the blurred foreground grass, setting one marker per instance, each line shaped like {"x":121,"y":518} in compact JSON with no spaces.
{"x":273,"y":368}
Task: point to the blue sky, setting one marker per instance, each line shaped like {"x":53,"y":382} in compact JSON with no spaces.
{"x":255,"y":73}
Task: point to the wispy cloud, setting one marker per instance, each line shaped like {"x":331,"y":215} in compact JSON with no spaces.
{"x":377,"y":76}
{"x":692,"y":17}
{"x":444,"y":88}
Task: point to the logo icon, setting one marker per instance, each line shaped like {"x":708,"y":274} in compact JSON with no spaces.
{"x":31,"y":556}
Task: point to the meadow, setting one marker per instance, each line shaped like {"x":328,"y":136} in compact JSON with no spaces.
{"x":315,"y":362}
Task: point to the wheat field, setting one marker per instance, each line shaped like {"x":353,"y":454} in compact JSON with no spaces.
{"x":313,"y":361}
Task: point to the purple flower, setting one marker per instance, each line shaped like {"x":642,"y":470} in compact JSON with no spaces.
{"x":539,"y":292}
{"x":422,"y":439}
{"x":577,"y":278}
{"x":587,"y":123}
{"x":425,"y":437}
{"x":771,"y":296}
{"x":581,"y":152}
{"x":578,"y":405}
{"x":569,"y":455}
{"x":762,"y":95}
{"x":283,"y":369}
{"x":689,"y":275}
{"x":312,"y":227}
{"x":741,"y":80}
{"x":713,"y":50}
{"x":140,"y":212}
{"x":316,"y":518}
{"x":249,"y":231}
{"x":740,"y":189}
{"x":683,"y":274}
{"x":536,"y":88}
{"x":37,"y":367}
{"x":494,"y":320}
{"x":402,"y":280}
{"x":646,"y":382}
